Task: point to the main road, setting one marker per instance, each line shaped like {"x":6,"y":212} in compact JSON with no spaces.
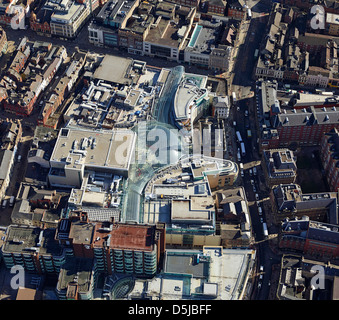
{"x":243,"y":114}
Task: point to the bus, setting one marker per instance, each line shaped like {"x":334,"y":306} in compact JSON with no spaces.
{"x":239,"y":136}
{"x":243,"y":150}
{"x":265,"y":230}
{"x":234,"y":97}
{"x":241,"y":166}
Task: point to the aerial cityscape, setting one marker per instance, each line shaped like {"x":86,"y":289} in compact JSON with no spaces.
{"x":169,"y":150}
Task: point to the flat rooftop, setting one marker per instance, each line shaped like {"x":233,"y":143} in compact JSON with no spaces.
{"x":164,"y":34}
{"x":114,"y":69}
{"x":29,"y":239}
{"x":80,"y":269}
{"x":196,"y":209}
{"x":105,"y":149}
{"x":125,"y":236}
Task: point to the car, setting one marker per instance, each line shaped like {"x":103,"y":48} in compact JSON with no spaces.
{"x":261,"y":220}
{"x":259,"y":285}
{"x":254,"y":188}
{"x":261,"y":268}
{"x":256,"y":196}
{"x":251,"y":172}
{"x":252,"y":182}
{"x":260,"y":211}
{"x":261,"y":276}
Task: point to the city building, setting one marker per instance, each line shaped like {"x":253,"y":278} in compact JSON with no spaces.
{"x":3,"y":41}
{"x":288,"y":201}
{"x":39,"y":154}
{"x":11,"y":133}
{"x":112,"y":18}
{"x":286,"y":53}
{"x":69,"y":16}
{"x":236,"y":9}
{"x":216,"y":7}
{"x":315,"y":239}
{"x":171,"y":28}
{"x":180,"y":196}
{"x":76,"y":279}
{"x":279,"y":166}
{"x":37,"y":207}
{"x":116,"y":70}
{"x":221,"y":107}
{"x":191,"y":100}
{"x":32,"y":69}
{"x":77,"y":151}
{"x":59,"y":89}
{"x":300,"y":121}
{"x":234,"y":218}
{"x":220,"y":58}
{"x":116,"y":247}
{"x":210,"y":273}
{"x":33,"y":248}
{"x":329,"y":157}
{"x":332,"y":24}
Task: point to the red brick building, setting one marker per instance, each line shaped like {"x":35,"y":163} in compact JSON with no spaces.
{"x":303,"y":127}
{"x":316,"y":239}
{"x":329,"y":153}
{"x":235,"y":9}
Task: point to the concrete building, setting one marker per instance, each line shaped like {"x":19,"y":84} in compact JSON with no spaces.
{"x":220,"y":58}
{"x":76,"y":279}
{"x":37,"y":207}
{"x":70,"y":16}
{"x":117,"y":247}
{"x":113,"y":17}
{"x":11,"y":134}
{"x":117,"y":70}
{"x":288,"y":201}
{"x":185,"y":275}
{"x":168,"y":36}
{"x":191,"y":100}
{"x":233,"y":218}
{"x":77,"y":150}
{"x":32,"y":248}
{"x":279,"y":166}
{"x":221,"y":107}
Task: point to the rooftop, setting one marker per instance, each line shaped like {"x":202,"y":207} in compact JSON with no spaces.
{"x":106,"y":149}
{"x":114,"y":69}
{"x":190,"y":92}
{"x":21,"y":239}
{"x":124,"y":236}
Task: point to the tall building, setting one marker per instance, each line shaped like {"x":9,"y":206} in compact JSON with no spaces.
{"x":116,"y":247}
{"x":34,"y":249}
